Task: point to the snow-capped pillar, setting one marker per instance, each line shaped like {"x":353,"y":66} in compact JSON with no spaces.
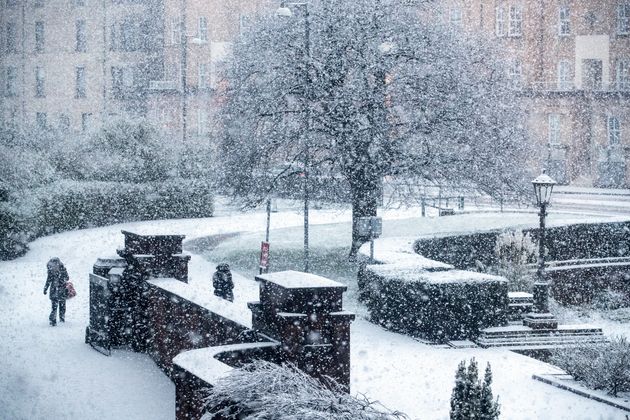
{"x":305,"y":313}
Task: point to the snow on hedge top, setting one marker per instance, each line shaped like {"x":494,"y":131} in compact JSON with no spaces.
{"x":298,"y":280}
{"x":418,"y":275}
{"x":399,"y":252}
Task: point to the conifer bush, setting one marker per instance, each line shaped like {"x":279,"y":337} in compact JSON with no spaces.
{"x":472,"y":398}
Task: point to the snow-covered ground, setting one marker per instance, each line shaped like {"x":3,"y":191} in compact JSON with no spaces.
{"x":48,"y":372}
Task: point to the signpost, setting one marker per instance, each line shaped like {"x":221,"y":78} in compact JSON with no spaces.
{"x":370,"y":227}
{"x":264,"y":257}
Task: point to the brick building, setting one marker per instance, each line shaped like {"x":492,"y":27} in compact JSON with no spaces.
{"x":570,"y":61}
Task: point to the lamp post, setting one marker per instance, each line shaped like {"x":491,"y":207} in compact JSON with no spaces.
{"x":540,"y":318}
{"x":284,"y":11}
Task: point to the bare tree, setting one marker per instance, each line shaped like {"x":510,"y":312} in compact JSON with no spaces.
{"x":360,"y":90}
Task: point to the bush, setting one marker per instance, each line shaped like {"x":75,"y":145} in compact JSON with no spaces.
{"x":442,"y":305}
{"x":472,"y":398}
{"x":609,"y":300}
{"x":598,"y":366}
{"x":76,"y":205}
{"x":264,"y":390}
{"x":514,"y":250}
{"x":13,"y":233}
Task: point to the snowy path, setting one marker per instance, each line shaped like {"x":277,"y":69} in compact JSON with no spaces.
{"x":50,"y":372}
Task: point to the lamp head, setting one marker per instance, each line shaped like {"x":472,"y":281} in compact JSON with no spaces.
{"x":543,"y":186}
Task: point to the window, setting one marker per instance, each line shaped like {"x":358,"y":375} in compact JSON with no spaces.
{"x":203,"y":75}
{"x":117,"y":81}
{"x":499,"y":25}
{"x":565,"y":81}
{"x":38,"y":3}
{"x":80,"y":82}
{"x":623,"y":18}
{"x":592,"y":74}
{"x":623,"y":74}
{"x":515,"y":73}
{"x":516,"y":21}
{"x":554,"y":128}
{"x":11,"y":3}
{"x":39,"y":37}
{"x":243,"y":24}
{"x":39,"y":82}
{"x":455,"y":16}
{"x":175,"y":31}
{"x":202,"y":30}
{"x":564,"y":21}
{"x":11,"y":38}
{"x":81,"y":41}
{"x":40,"y":120}
{"x":79,"y":3}
{"x":202,"y":121}
{"x":86,"y":121}
{"x":614,"y":130}
{"x":10,"y":87}
{"x":64,"y":123}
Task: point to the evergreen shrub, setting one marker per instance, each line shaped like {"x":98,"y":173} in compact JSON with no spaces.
{"x":441,"y":305}
{"x":471,"y":398}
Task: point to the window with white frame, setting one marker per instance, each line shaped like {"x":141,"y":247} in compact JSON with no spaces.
{"x":623,"y":18}
{"x":554,"y":129}
{"x":565,"y":78}
{"x":515,"y":73}
{"x":202,"y":122}
{"x":41,"y":120}
{"x":175,"y":31}
{"x":614,"y":130}
{"x":203,"y":75}
{"x":564,"y":21}
{"x":10,"y":83}
{"x":515,"y":27}
{"x":623,"y":74}
{"x":81,"y":36}
{"x":39,"y":82}
{"x":455,"y":16}
{"x":499,"y":21}
{"x":39,"y":37}
{"x":79,"y":82}
{"x":243,"y":23}
{"x":202,"y":29}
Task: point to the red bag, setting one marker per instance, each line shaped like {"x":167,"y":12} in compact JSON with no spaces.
{"x":70,"y":292}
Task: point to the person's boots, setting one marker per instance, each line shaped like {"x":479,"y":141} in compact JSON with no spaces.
{"x":53,"y":323}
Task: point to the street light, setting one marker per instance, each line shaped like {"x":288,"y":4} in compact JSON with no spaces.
{"x":284,"y":11}
{"x":541,"y":318}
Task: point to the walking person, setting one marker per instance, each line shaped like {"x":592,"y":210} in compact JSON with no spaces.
{"x":222,"y":282}
{"x":56,"y":282}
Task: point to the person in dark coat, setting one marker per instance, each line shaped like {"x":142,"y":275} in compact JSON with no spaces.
{"x":222,"y":282}
{"x":56,"y":282}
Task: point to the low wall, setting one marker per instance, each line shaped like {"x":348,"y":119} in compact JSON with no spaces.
{"x":176,"y":324}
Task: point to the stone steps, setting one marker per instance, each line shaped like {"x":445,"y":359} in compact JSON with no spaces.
{"x":520,"y":337}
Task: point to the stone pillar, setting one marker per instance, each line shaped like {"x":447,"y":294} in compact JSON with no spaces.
{"x":304,"y":313}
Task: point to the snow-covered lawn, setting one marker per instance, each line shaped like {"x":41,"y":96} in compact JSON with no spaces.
{"x":50,"y":373}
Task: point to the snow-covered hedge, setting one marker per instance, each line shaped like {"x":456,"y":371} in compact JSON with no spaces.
{"x":13,"y":233}
{"x":437,"y":305}
{"x":75,"y":205}
{"x":578,"y":241}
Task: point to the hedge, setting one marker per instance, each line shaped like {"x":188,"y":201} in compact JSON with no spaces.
{"x":579,"y":241}
{"x":69,"y":205}
{"x":438,"y":305}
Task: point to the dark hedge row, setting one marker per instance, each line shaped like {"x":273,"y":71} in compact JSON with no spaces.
{"x":76,"y":205}
{"x":579,"y":241}
{"x":435,"y":311}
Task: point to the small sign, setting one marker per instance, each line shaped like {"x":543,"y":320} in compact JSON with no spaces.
{"x":264,"y":255}
{"x":370,"y":226}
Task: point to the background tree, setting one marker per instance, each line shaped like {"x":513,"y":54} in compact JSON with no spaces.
{"x":377,"y":92}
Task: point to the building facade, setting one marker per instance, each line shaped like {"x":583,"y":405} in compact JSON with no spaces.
{"x":570,"y":60}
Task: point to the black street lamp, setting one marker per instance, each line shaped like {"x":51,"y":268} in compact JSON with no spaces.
{"x":285,"y":11}
{"x":541,"y":318}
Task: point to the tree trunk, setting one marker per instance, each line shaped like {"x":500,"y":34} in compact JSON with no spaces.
{"x":365,"y":190}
